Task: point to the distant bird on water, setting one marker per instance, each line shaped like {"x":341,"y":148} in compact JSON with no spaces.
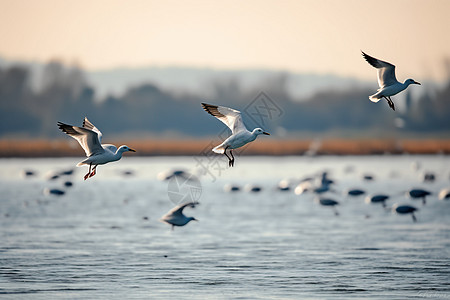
{"x":405,"y":209}
{"x":175,"y":216}
{"x":444,"y":194}
{"x":90,"y":139}
{"x":389,"y":86}
{"x":328,"y":202}
{"x":419,"y":194}
{"x":377,"y":199}
{"x":355,"y":192}
{"x":239,"y":133}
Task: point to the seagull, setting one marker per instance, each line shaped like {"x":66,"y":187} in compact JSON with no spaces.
{"x":389,"y":86}
{"x":405,"y":209}
{"x":419,"y":194}
{"x":175,"y":216}
{"x":239,"y":133}
{"x":90,"y":139}
{"x":444,"y":194}
{"x":377,"y":199}
{"x":355,"y":192}
{"x":328,"y":202}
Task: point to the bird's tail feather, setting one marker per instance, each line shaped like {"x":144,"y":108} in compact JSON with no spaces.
{"x":219,"y":149}
{"x":374,"y":98}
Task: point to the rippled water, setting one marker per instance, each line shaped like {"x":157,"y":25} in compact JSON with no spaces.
{"x":102,"y":239}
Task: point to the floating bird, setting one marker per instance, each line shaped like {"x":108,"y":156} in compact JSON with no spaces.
{"x":322,"y":189}
{"x":389,"y":86}
{"x":28,"y":173}
{"x":355,"y":192}
{"x":68,"y":183}
{"x":328,"y":202}
{"x":303,"y":187}
{"x":368,"y":177}
{"x":175,"y":216}
{"x":325,"y":180}
{"x":283,"y":188}
{"x":56,"y":192}
{"x":231,"y":188}
{"x":90,"y":139}
{"x":377,"y":199}
{"x":284,"y":185}
{"x":444,"y":194}
{"x":252,"y":188}
{"x":429,"y":177}
{"x":239,"y":133}
{"x":169,"y":174}
{"x":419,"y":194}
{"x":405,"y":209}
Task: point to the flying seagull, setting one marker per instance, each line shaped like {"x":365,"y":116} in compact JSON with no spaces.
{"x":389,"y":86}
{"x":90,"y":139}
{"x":175,"y":216}
{"x":239,"y":133}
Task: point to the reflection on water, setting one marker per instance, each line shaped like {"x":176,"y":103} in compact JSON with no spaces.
{"x":102,"y":237}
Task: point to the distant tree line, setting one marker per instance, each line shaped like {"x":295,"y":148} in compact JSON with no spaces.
{"x":65,"y":95}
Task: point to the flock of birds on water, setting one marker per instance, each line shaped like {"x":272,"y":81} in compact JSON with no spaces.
{"x":324,"y":191}
{"x":89,"y":137}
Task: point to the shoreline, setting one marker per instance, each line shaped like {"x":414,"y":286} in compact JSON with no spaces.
{"x":149,"y":147}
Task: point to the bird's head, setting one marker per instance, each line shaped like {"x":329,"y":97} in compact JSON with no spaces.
{"x":192,"y":219}
{"x":411,"y":81}
{"x":125,"y":148}
{"x":258,"y":131}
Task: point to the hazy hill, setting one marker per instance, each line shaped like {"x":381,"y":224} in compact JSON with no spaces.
{"x":265,"y":98}
{"x":199,"y":81}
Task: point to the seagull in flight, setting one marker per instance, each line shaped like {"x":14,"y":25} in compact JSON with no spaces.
{"x":239,"y":133}
{"x":90,"y":139}
{"x":175,"y":216}
{"x":389,"y":86}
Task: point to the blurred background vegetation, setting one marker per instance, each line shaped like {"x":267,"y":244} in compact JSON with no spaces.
{"x":63,"y":93}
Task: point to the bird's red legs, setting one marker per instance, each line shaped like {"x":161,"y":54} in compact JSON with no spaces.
{"x":93,"y":171}
{"x":88,"y":173}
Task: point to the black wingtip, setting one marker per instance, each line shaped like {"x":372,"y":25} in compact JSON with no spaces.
{"x":205,"y":105}
{"x":209,"y":108}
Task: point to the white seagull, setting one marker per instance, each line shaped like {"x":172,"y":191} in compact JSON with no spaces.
{"x":389,"y":86}
{"x":175,"y":216}
{"x":239,"y":133}
{"x":90,"y":139}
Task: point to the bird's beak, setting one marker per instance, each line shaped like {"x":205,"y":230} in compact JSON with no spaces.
{"x":194,"y":220}
{"x":417,"y":82}
{"x":266,"y":133}
{"x":132,"y":150}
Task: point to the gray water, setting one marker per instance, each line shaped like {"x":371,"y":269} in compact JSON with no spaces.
{"x":102,"y":239}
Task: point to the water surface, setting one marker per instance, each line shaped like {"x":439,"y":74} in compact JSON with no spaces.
{"x":102,"y":239}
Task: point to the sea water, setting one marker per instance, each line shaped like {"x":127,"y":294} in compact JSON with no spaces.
{"x":103,"y":238}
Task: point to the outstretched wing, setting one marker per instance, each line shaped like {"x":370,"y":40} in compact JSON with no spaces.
{"x":88,"y":125}
{"x":110,"y":147}
{"x":178,"y":210}
{"x":385,"y":70}
{"x":87,"y":138}
{"x":230,"y":117}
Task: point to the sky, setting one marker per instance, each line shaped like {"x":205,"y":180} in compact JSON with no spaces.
{"x":317,"y":36}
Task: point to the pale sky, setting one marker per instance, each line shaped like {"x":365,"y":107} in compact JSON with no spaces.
{"x":302,"y":36}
